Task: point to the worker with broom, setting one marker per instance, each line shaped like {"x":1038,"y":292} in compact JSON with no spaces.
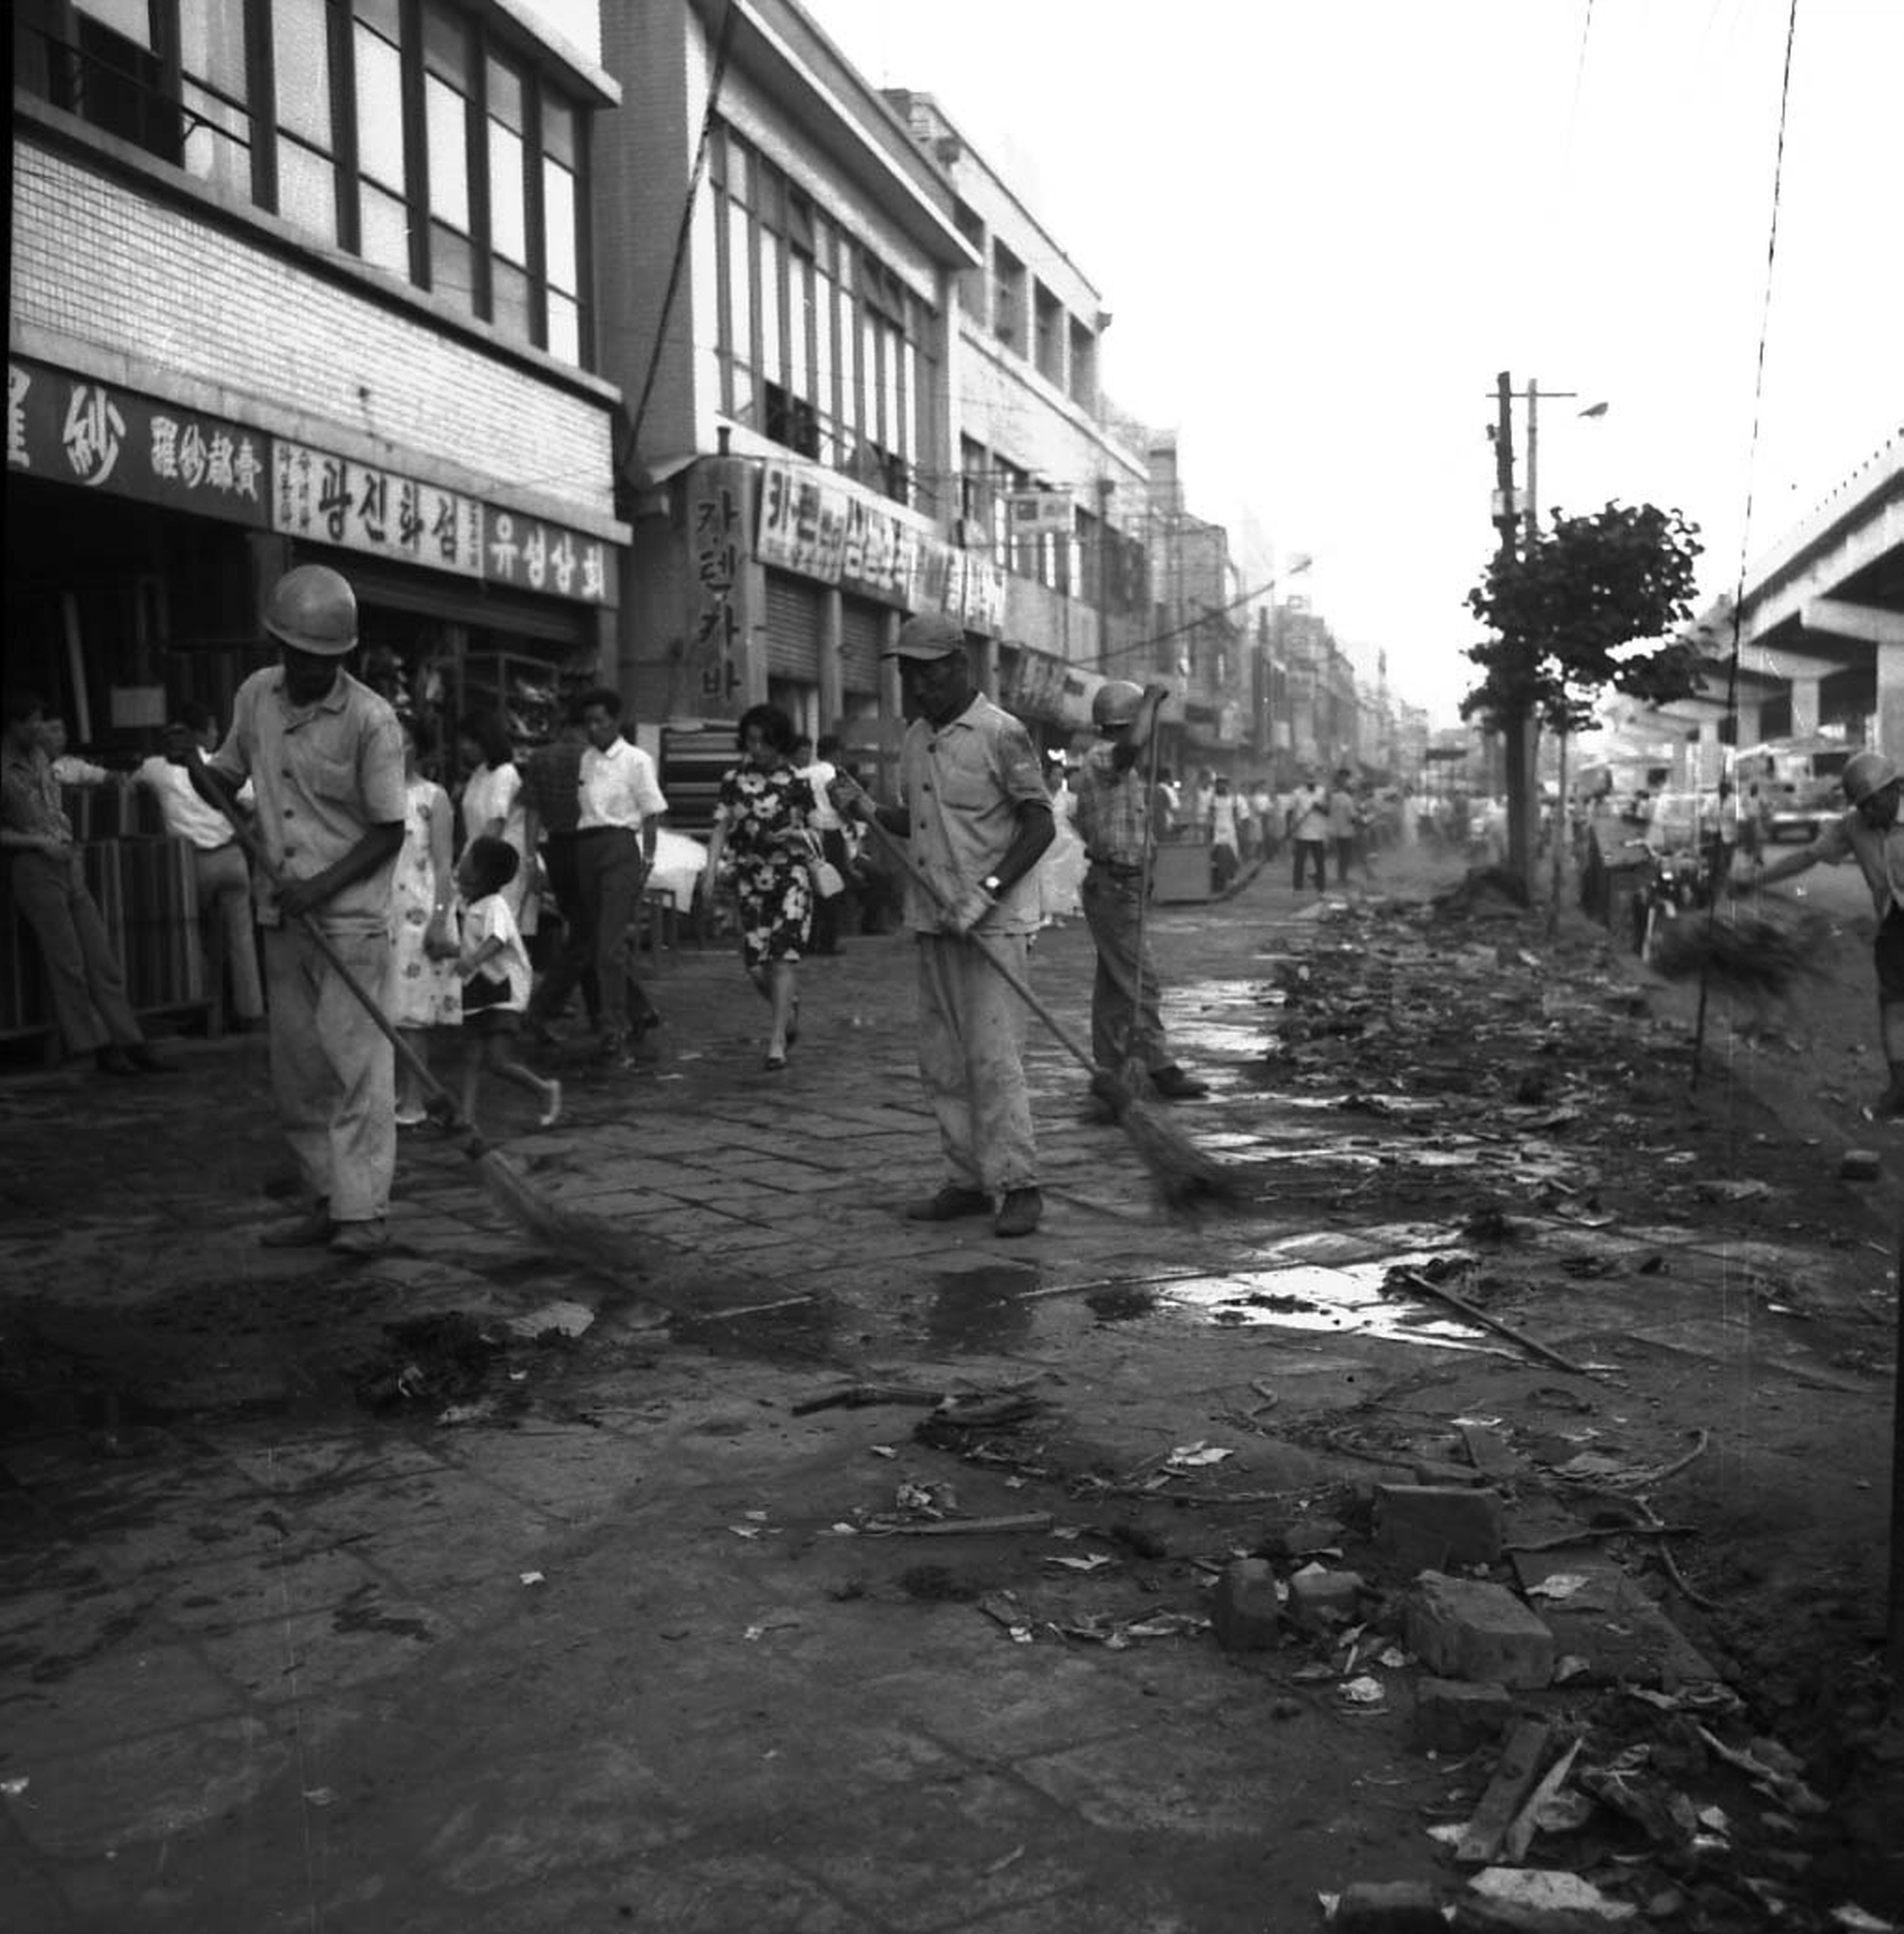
{"x":973,"y":806}
{"x":326,"y":758}
{"x":1126,"y":1027}
{"x":1869,"y":833}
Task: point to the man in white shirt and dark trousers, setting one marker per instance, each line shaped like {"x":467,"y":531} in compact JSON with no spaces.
{"x":620,"y":807}
{"x":223,"y":878}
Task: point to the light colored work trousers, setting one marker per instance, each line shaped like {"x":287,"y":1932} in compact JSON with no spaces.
{"x":1126,"y":1021}
{"x":86,"y":983}
{"x":224,"y":922}
{"x":333,"y":1072}
{"x":971,"y":1060}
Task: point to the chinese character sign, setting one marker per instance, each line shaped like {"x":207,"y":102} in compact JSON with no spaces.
{"x":71,"y":429}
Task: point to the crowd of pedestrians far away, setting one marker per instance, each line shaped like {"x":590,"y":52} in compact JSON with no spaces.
{"x":411,"y":921}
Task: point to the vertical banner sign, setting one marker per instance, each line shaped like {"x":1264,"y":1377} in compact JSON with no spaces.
{"x":716,"y":533}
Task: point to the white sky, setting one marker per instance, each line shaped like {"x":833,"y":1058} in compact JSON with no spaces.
{"x":1322,"y":226}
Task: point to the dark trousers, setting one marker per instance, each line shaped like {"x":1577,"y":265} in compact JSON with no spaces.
{"x":86,"y":982}
{"x":1318,"y":849}
{"x":827,"y":913}
{"x":609,"y":873}
{"x":564,"y":882}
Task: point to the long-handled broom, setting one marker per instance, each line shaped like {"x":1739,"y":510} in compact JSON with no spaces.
{"x":583,"y":1239}
{"x":1185,"y":1174}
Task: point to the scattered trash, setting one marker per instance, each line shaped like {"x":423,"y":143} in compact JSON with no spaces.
{"x":12,"y":1789}
{"x":319,"y":1796}
{"x":1196,"y":1456}
{"x":534,"y":1578}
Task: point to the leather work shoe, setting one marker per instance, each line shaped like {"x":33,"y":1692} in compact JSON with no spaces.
{"x":311,"y":1230}
{"x":1175,"y":1086}
{"x":361,"y":1238}
{"x":1019,"y":1212}
{"x":949,"y":1204}
{"x":146,"y":1061}
{"x":115,"y":1061}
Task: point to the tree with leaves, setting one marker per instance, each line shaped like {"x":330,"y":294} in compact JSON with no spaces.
{"x":1567,"y":611}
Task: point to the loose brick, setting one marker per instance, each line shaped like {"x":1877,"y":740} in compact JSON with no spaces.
{"x":1862,"y":1164}
{"x":1244,"y":1610}
{"x":1454,"y":1716}
{"x":1320,"y":1598}
{"x":1431,"y":1526}
{"x":1464,"y":1628}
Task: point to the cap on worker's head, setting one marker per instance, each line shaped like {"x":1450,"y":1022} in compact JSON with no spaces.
{"x":931,"y":634}
{"x":313,"y":609}
{"x":1115,"y":702}
{"x":1866,"y":774}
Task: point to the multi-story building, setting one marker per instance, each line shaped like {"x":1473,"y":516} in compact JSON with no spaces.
{"x":303,"y":280}
{"x":863,"y":381}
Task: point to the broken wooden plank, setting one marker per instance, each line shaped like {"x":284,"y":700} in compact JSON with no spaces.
{"x":1514,"y":1777}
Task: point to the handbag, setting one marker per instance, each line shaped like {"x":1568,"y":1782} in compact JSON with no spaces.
{"x":827,"y":879}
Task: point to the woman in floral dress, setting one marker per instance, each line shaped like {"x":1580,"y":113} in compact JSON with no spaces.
{"x":426,"y":993}
{"x":760,"y":851}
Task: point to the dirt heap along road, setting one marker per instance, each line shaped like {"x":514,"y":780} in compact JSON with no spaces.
{"x":1489,"y":1513}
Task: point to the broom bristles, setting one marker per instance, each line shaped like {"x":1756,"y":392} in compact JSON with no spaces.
{"x":1187,"y":1177}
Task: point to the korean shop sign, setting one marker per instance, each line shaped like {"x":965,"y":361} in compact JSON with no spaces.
{"x":330,"y":500}
{"x":534,"y":556}
{"x":68,"y":428}
{"x":802,"y":522}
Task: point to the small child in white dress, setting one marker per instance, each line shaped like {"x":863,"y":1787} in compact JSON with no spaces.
{"x":494,"y":968}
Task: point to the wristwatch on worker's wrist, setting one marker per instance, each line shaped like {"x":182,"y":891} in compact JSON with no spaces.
{"x":991,"y":885}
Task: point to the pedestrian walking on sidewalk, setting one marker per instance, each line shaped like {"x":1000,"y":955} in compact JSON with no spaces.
{"x":761,"y":847}
{"x":1113,"y":820}
{"x":326,"y":757}
{"x":1346,"y":821}
{"x":974,"y":808}
{"x":1870,"y":832}
{"x":1308,"y":826}
{"x":551,"y":802}
{"x":83,"y":977}
{"x":493,"y":966}
{"x":621,"y":805}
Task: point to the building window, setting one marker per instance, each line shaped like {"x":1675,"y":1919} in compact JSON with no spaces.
{"x":828,"y":359}
{"x":1083,"y":367}
{"x":431,"y":155}
{"x":1050,"y":346}
{"x":1008,"y":316}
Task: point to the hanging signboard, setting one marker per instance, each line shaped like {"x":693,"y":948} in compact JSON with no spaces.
{"x":1032,"y":513}
{"x":802,"y":521}
{"x":67,"y":428}
{"x":329,"y":499}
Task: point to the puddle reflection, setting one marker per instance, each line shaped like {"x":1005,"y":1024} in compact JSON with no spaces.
{"x":1343,"y":1299}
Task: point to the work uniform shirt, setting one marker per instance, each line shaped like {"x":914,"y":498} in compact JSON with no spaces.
{"x":1878,"y":850}
{"x":324,"y":774}
{"x":963,"y":785}
{"x":1113,"y":813}
{"x":619,"y":788}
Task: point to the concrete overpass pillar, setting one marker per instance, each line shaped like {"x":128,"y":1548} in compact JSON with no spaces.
{"x":1805,"y":706}
{"x":1749,"y":728}
{"x":1888,"y":727}
{"x":1708,"y":757}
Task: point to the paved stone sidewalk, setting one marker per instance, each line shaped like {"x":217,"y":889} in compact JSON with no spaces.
{"x":635,"y":1642}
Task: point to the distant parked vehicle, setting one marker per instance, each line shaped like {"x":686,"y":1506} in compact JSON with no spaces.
{"x":1797,"y":781}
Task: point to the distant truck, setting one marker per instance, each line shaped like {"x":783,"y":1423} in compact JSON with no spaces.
{"x":1797,"y":781}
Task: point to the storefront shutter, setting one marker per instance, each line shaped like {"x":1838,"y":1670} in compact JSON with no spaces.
{"x":862,"y":629}
{"x":794,"y":608}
